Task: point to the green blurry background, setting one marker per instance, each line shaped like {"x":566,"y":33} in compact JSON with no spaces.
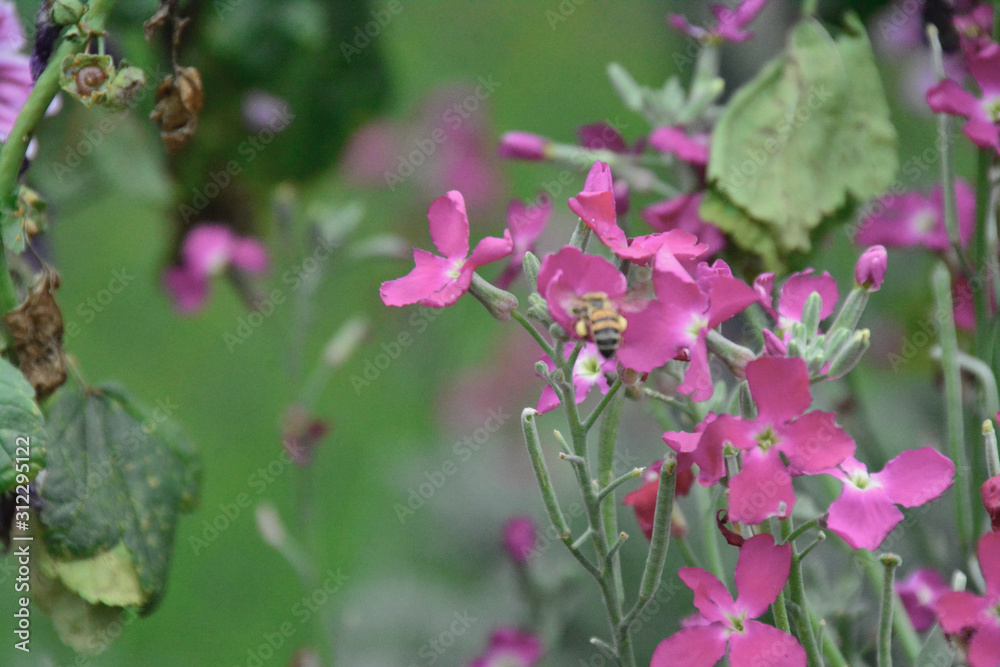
{"x":405,"y":581}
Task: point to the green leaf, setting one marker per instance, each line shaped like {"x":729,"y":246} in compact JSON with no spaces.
{"x":115,"y":481}
{"x":809,"y":136}
{"x":20,"y":418}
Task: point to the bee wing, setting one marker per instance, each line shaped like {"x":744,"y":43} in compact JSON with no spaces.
{"x":632,"y":304}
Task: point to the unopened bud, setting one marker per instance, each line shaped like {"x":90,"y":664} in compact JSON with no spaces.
{"x":811,"y":311}
{"x":497,"y":301}
{"x":990,"y":491}
{"x":836,"y":341}
{"x":530,"y":265}
{"x":523,"y":146}
{"x":519,"y":539}
{"x":870,"y":268}
{"x":850,"y":355}
{"x":773,"y":346}
{"x":67,"y":12}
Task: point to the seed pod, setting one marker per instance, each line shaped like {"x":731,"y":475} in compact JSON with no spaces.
{"x":179,"y":100}
{"x":85,"y":76}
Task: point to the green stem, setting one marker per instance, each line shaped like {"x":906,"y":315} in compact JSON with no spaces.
{"x":539,"y":338}
{"x":588,"y":423}
{"x":781,"y":614}
{"x":947,"y":155}
{"x":803,"y":617}
{"x":890,"y":561}
{"x":987,"y":381}
{"x":658,"y":543}
{"x":906,"y":635}
{"x":606,"y":475}
{"x":983,"y":263}
{"x":31,"y":114}
{"x":941,"y":281}
{"x":830,"y":648}
{"x":610,"y":488}
{"x":990,"y":447}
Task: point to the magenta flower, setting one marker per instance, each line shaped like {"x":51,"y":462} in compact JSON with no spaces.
{"x":730,"y":23}
{"x":509,"y":647}
{"x":761,"y":572}
{"x":596,"y":207}
{"x":869,"y":271}
{"x":675,"y":141}
{"x":962,"y":613}
{"x":682,"y":213}
{"x":526,"y":224}
{"x":643,"y":499}
{"x":865,"y":512}
{"x":912,"y":219}
{"x":982,"y":113}
{"x":519,"y":538}
{"x":812,"y":443}
{"x":919,"y":592}
{"x":589,"y":371}
{"x":990,"y":493}
{"x":207,"y":251}
{"x":523,"y":146}
{"x":794,"y":293}
{"x":438,"y":281}
{"x":15,"y":74}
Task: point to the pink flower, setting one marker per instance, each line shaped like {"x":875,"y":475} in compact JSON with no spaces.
{"x":964,"y":613}
{"x":438,"y":281}
{"x":865,"y":512}
{"x":982,"y":113}
{"x":526,"y":224}
{"x":812,"y":443}
{"x":794,"y":293}
{"x":519,"y":538}
{"x":523,"y":146}
{"x":912,"y":219}
{"x":596,"y":207}
{"x":675,"y":141}
{"x":869,"y":271}
{"x":589,"y":371}
{"x":919,"y":592}
{"x":761,"y":572}
{"x":569,"y":274}
{"x":730,"y":23}
{"x":207,"y":251}
{"x":990,"y":493}
{"x":682,"y":213}
{"x":509,"y":647}
{"x":15,"y":74}
{"x":643,"y":499}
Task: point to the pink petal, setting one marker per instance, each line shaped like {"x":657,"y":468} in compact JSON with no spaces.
{"x":598,"y":178}
{"x":762,"y":489}
{"x":601,"y":136}
{"x":989,"y":562}
{"x":761,"y":644}
{"x":863,"y":518}
{"x":985,"y":68}
{"x":949,"y":97}
{"x":728,"y":296}
{"x":800,"y":287}
{"x":527,"y":222}
{"x":187,"y":289}
{"x":449,"y":225}
{"x":814,"y":443}
{"x":490,"y":249}
{"x":984,"y":647}
{"x":548,"y":400}
{"x":710,"y":595}
{"x":648,"y":341}
{"x":249,"y":254}
{"x":961,"y":609}
{"x":780,"y":388}
{"x":207,"y":249}
{"x":700,"y":646}
{"x":983,"y":132}
{"x":761,"y":572}
{"x":675,"y":141}
{"x":428,"y":278}
{"x":916,"y":476}
{"x":708,"y":456}
{"x":597,"y":210}
{"x":698,"y":377}
{"x":919,"y":592}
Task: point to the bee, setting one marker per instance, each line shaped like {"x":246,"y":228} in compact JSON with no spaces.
{"x":599,"y":319}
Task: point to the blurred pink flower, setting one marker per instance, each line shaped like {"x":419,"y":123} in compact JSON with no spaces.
{"x":911,"y":219}
{"x":208,"y":250}
{"x":919,"y":592}
{"x":519,"y":538}
{"x":510,"y":647}
{"x":526,"y":223}
{"x":965,"y":614}
{"x":730,"y":23}
{"x":15,"y":74}
{"x":982,"y":113}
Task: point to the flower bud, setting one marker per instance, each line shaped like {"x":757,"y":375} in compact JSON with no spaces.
{"x":990,"y":491}
{"x":773,"y":346}
{"x":811,"y":312}
{"x":519,"y":539}
{"x":67,"y":12}
{"x":870,"y":268}
{"x":523,"y":146}
{"x":849,"y":355}
{"x":499,"y":302}
{"x":530,"y":265}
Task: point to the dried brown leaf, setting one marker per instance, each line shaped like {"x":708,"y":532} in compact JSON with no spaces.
{"x":37,"y":328}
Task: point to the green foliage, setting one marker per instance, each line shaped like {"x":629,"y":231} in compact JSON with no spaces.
{"x":809,"y":136}
{"x":19,"y":418}
{"x":116,"y":481}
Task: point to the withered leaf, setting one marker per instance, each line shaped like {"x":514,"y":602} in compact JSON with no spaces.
{"x":37,"y":328}
{"x":157,"y":20}
{"x":179,"y":99}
